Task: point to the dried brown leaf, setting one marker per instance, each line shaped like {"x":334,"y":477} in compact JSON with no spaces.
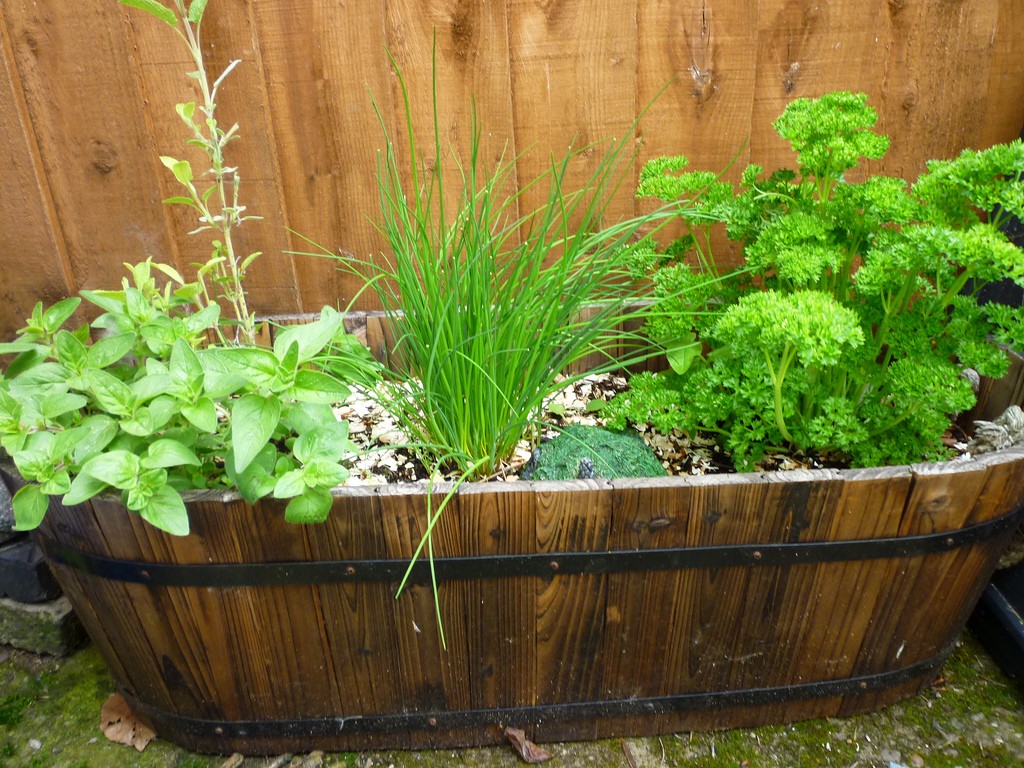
{"x":119,"y":724}
{"x":526,"y":749}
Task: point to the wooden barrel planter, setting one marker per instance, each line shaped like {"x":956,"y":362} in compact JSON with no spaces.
{"x":573,"y":610}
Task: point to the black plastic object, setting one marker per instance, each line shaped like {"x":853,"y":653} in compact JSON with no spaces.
{"x":997,"y":620}
{"x":24,"y":576}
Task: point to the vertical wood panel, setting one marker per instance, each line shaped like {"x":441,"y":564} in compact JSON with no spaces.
{"x":322,"y":61}
{"x":32,"y":235}
{"x":574,"y":84}
{"x":807,"y":48}
{"x":1004,"y":107}
{"x":936,"y":73}
{"x":501,"y":652}
{"x":706,"y":55}
{"x":429,"y":675}
{"x":572,"y":610}
{"x":87,"y":116}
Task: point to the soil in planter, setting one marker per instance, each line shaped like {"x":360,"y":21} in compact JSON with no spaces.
{"x":383,"y":460}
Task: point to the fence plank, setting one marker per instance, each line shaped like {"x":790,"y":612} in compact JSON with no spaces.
{"x":574,"y":84}
{"x":26,"y":203}
{"x":937,"y":48}
{"x":89,"y":125}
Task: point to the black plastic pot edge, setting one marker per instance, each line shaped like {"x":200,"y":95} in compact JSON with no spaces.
{"x":998,"y":620}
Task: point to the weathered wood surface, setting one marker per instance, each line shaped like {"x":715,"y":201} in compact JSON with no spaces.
{"x":351,"y":649}
{"x":87,"y":90}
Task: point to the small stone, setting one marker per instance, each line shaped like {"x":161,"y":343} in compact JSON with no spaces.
{"x":35,"y":745}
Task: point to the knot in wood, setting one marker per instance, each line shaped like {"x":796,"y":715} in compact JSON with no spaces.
{"x":104,"y":156}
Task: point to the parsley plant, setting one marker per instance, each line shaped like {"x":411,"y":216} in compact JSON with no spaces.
{"x":846,"y":331}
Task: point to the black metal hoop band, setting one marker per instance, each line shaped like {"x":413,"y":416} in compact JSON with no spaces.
{"x":227,"y":575}
{"x":517,"y":716}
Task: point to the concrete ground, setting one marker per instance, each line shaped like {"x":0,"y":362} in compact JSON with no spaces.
{"x":973,"y":717}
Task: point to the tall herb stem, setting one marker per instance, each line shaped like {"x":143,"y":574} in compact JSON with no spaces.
{"x":218,"y":207}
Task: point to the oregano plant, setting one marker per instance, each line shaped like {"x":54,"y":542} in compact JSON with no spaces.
{"x":164,"y":394}
{"x":846,"y":331}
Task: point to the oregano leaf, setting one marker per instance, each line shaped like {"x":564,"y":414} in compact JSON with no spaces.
{"x":195,"y":11}
{"x":168,"y":453}
{"x":30,"y":505}
{"x":312,"y":506}
{"x":58,"y":314}
{"x":118,"y":468}
{"x":166,"y":510}
{"x":253,"y":420}
{"x":201,"y":414}
{"x":153,"y":8}
{"x":83,"y":488}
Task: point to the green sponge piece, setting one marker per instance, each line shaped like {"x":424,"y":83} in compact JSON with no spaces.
{"x":583,"y":451}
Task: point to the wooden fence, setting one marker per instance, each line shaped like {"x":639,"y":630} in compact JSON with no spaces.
{"x":88,"y":88}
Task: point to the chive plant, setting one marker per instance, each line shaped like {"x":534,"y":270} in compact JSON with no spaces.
{"x":491,"y":304}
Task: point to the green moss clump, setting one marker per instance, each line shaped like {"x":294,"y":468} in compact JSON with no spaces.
{"x":12,"y":708}
{"x":582,"y":451}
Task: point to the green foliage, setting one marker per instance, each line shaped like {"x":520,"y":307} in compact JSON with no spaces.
{"x":12,"y":708}
{"x":151,"y":408}
{"x":213,"y":195}
{"x":487,"y":320}
{"x":587,"y":451}
{"x":151,"y":411}
{"x":845,"y":332}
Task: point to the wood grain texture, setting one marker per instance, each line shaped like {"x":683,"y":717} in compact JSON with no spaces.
{"x":942,"y":48}
{"x":88,"y":121}
{"x":92,"y":87}
{"x":351,"y":649}
{"x":26,"y":203}
{"x":322,"y":63}
{"x":574,"y":88}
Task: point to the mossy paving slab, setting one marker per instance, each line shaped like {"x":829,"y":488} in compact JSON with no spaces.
{"x":49,"y":716}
